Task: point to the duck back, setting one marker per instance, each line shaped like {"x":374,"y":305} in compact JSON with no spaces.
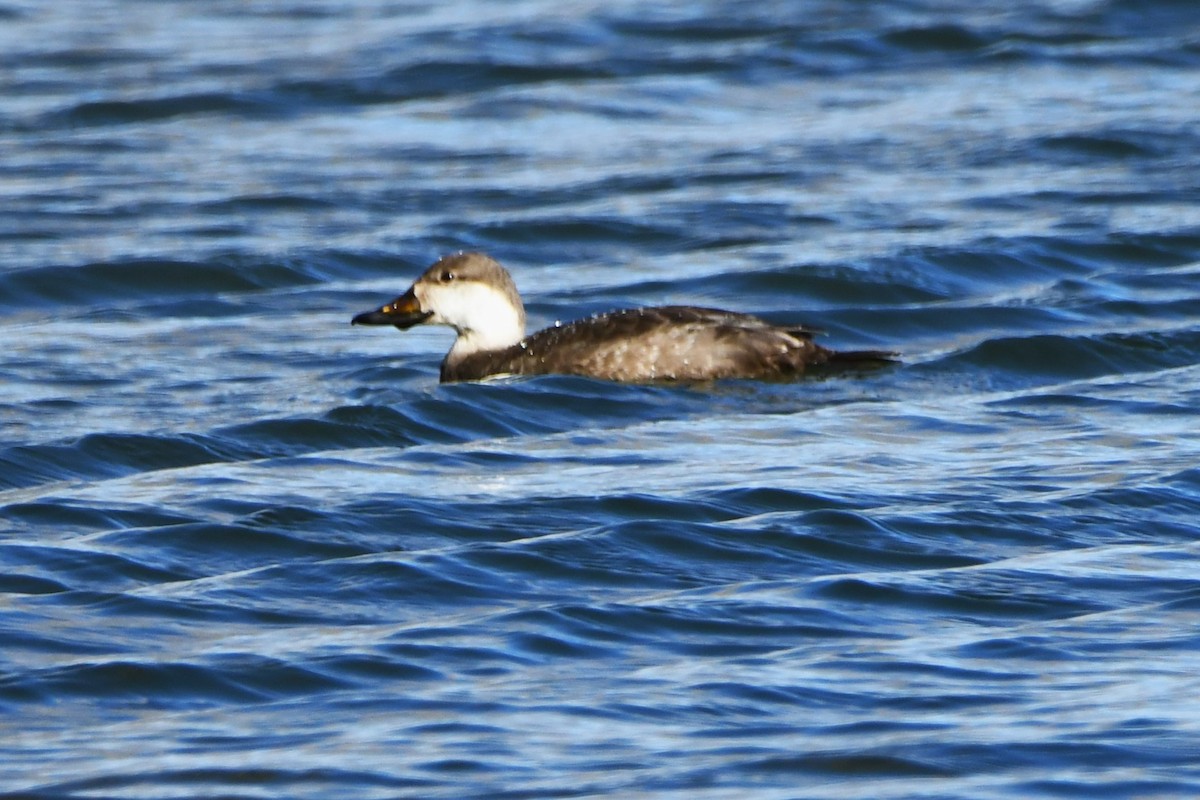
{"x":665,"y":343}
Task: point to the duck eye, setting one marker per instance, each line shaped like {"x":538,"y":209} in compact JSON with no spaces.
{"x":446,"y":276}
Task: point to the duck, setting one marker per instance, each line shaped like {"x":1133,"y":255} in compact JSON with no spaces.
{"x":477,"y":297}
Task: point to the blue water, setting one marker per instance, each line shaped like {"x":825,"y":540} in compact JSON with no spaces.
{"x":248,"y":551}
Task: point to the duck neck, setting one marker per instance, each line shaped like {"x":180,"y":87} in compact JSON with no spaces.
{"x":503,"y":328}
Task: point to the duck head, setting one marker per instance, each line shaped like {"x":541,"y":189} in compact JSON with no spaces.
{"x":468,"y":292}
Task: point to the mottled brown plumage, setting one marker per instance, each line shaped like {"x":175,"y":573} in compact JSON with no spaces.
{"x":477,"y":297}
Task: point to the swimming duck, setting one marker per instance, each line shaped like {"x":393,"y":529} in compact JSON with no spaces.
{"x":475,"y":296}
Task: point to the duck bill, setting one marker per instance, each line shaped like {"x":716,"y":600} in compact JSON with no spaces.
{"x":403,"y":312}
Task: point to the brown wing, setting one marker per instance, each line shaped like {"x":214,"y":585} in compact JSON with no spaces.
{"x":647,"y":344}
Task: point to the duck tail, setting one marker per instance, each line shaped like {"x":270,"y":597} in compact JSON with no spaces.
{"x":861,"y":359}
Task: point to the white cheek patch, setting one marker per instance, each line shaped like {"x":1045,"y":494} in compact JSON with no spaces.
{"x":483,"y":316}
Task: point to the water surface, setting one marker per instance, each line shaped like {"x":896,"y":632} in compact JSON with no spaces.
{"x":249,"y":551}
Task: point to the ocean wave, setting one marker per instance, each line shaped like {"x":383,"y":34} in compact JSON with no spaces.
{"x":235,"y":530}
